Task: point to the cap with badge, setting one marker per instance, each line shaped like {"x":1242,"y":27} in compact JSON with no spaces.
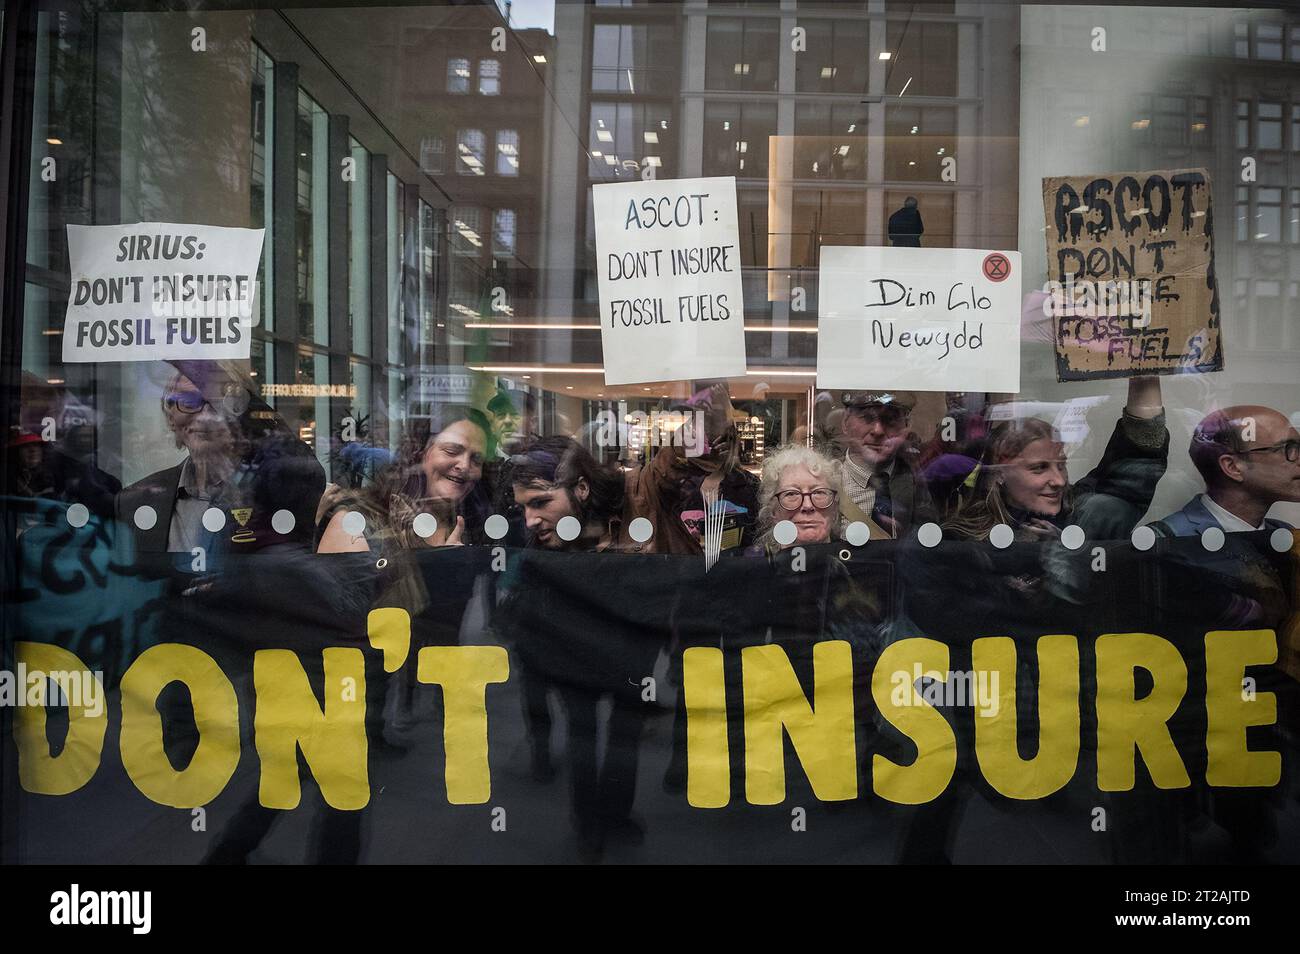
{"x":860,"y":399}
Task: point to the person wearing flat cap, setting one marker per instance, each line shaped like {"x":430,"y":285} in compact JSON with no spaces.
{"x":881,"y":485}
{"x":241,"y":459}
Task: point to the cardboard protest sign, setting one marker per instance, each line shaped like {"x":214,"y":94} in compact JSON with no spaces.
{"x":158,"y":290}
{"x":1131,"y":281}
{"x":671,"y":299}
{"x":926,"y":319}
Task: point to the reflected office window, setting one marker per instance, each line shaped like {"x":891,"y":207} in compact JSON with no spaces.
{"x":742,"y":54}
{"x":917,"y":138}
{"x":624,"y":138}
{"x":1268,"y":125}
{"x":507,"y":152}
{"x":433,"y":155}
{"x":736,"y":138}
{"x":489,"y":77}
{"x":503,"y":233}
{"x":835,"y":60}
{"x":471,"y":153}
{"x":634,"y":57}
{"x":830,"y":141}
{"x":1268,"y":214}
{"x":923,"y":58}
{"x":312,"y":233}
{"x":359,"y":250}
{"x":458,"y":75}
{"x":260,"y":176}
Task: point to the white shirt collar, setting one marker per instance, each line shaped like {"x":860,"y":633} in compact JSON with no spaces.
{"x":1228,"y":520}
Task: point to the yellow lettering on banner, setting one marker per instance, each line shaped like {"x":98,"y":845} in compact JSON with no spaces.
{"x":216,"y":716}
{"x":39,"y":771}
{"x":464,"y":673}
{"x":389,"y":630}
{"x":936,"y":746}
{"x":1125,"y":723}
{"x":822,"y":734}
{"x":1228,"y":711}
{"x":708,"y":759}
{"x":1058,"y":717}
{"x":333,"y":741}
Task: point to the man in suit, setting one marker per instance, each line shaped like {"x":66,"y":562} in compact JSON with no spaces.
{"x":881,"y":485}
{"x":241,"y":460}
{"x":1249,"y":457}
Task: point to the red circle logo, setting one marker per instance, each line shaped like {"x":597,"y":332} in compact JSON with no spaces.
{"x":997,"y":267}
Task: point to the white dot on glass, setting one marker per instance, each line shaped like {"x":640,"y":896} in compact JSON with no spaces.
{"x":1280,"y":539}
{"x":425,"y":525}
{"x":857,"y":533}
{"x":1212,"y":539}
{"x":78,"y":514}
{"x":641,"y":529}
{"x":213,"y":520}
{"x":784,"y":533}
{"x":568,"y":528}
{"x":354,"y":524}
{"x":145,"y":517}
{"x":1002,"y":536}
{"x":496,"y":526}
{"x":930,"y":534}
{"x":1072,"y":537}
{"x":1144,"y":538}
{"x":282,"y":522}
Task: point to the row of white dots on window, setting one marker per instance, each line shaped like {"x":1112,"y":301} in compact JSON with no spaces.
{"x":641,"y":530}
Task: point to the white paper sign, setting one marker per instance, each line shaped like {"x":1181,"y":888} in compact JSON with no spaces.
{"x":671,"y":299}
{"x":157,"y":290}
{"x":925,"y":319}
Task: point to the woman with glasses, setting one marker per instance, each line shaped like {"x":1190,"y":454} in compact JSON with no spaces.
{"x":802,"y":486}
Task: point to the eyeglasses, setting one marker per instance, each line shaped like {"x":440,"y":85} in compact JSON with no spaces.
{"x":792,"y":500}
{"x":232,"y":399}
{"x":1291,"y":449}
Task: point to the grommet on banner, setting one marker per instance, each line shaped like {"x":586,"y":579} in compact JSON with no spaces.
{"x":845,"y":555}
{"x":381,"y":563}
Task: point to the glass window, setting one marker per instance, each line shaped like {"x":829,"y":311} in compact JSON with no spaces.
{"x":1268,"y":214}
{"x":1243,"y":124}
{"x":489,"y":77}
{"x":917,"y":139}
{"x":433,"y":155}
{"x":507,"y":152}
{"x":634,"y":57}
{"x":313,"y":220}
{"x":923,"y":58}
{"x":1268,"y":133}
{"x":359,"y":250}
{"x":1242,"y":213}
{"x":736,"y":138}
{"x":624,"y":138}
{"x":503,"y":233}
{"x":1295,"y":216}
{"x":457,"y":75}
{"x":261,"y":174}
{"x":1268,"y":41}
{"x":471,"y":152}
{"x":742,"y":53}
{"x":835,"y":60}
{"x":396,"y":257}
{"x":830,"y":141}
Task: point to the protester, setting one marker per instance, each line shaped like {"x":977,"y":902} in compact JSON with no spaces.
{"x":882,"y":487}
{"x":436,"y":472}
{"x":555,"y":477}
{"x":1024,"y":482}
{"x":1249,"y":457}
{"x":227,"y":433}
{"x":671,"y":490}
{"x":802,"y":486}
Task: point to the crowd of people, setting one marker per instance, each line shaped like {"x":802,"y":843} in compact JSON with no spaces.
{"x":863,"y":474}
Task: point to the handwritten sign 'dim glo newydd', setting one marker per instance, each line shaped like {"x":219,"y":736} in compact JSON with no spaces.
{"x":671,"y":299}
{"x":925,"y":319}
{"x":1131,"y":286}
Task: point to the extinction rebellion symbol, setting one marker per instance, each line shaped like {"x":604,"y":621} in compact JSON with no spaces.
{"x":997,"y":267}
